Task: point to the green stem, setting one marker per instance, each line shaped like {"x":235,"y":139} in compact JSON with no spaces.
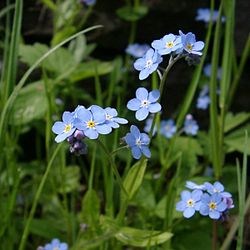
{"x":36,"y":199}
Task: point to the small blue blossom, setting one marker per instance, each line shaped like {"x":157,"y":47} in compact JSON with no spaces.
{"x":204,"y":14}
{"x":137,"y":50}
{"x":169,"y":43}
{"x":190,"y":202}
{"x":65,"y":128}
{"x":168,"y":128}
{"x":92,"y":122}
{"x":193,"y":186}
{"x":138,"y":142}
{"x":111,"y":118}
{"x":56,"y":245}
{"x":190,"y":125}
{"x":148,"y":125}
{"x":217,"y":187}
{"x":212,"y":205}
{"x":88,"y":2}
{"x":148,"y":63}
{"x":207,"y":71}
{"x":144,"y":103}
{"x":203,"y":100}
{"x":190,"y":45}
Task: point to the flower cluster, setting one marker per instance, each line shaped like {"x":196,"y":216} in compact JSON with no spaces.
{"x":54,"y":244}
{"x":85,"y":122}
{"x":176,"y":45}
{"x":190,"y":125}
{"x":207,"y":199}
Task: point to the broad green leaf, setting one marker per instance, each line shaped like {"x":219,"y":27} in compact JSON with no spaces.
{"x":30,"y":105}
{"x":90,"y":69}
{"x":132,"y":14}
{"x":142,"y":238}
{"x":236,"y":140}
{"x":91,"y":208}
{"x":232,"y":121}
{"x":134,"y":178}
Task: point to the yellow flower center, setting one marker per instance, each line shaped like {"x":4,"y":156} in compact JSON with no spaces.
{"x":212,"y":205}
{"x":90,"y":124}
{"x":169,"y":45}
{"x":190,"y":203}
{"x":189,"y":46}
{"x":67,"y":128}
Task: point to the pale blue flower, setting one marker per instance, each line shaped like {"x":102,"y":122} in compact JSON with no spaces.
{"x":168,"y":128}
{"x":212,"y":205}
{"x":111,"y":118}
{"x":190,"y":45}
{"x":137,"y":50}
{"x":148,"y":125}
{"x":204,"y":14}
{"x":138,"y":142}
{"x":65,"y":128}
{"x":190,"y":202}
{"x":193,"y":186}
{"x":169,"y":43}
{"x":217,"y":187}
{"x":203,"y":100}
{"x":208,"y":68}
{"x":190,"y":125}
{"x":144,"y":103}
{"x":56,"y":245}
{"x":92,"y":122}
{"x":88,"y":2}
{"x":148,"y":63}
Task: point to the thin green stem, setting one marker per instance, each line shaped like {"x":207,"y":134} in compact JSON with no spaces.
{"x":36,"y":198}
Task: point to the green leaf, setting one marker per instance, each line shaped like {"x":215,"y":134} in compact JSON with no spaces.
{"x":63,"y":34}
{"x":31,"y":104}
{"x":90,"y":69}
{"x":232,"y":121}
{"x":134,"y":178}
{"x":236,"y":140}
{"x":132,"y":14}
{"x":142,"y":238}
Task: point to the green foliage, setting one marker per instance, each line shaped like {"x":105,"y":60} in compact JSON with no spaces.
{"x":132,"y":14}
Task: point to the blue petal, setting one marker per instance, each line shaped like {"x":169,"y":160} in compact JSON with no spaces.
{"x":157,"y":44}
{"x":111,"y":111}
{"x":136,"y":152}
{"x":120,"y":120}
{"x":103,"y":129}
{"x":145,"y":138}
{"x":204,"y":210}
{"x":221,"y":207}
{"x":180,"y":206}
{"x":61,"y":137}
{"x":154,"y":107}
{"x":144,"y":74}
{"x":154,"y":95}
{"x":135,"y":131}
{"x":133,"y":104}
{"x":91,"y":133}
{"x":198,"y":46}
{"x":188,"y":212}
{"x":185,"y":195}
{"x":85,"y":115}
{"x":139,"y":64}
{"x":67,"y":117}
{"x":153,"y":68}
{"x":145,"y":150}
{"x":141,"y":94}
{"x":141,"y":114}
{"x":130,"y":139}
{"x":213,"y":214}
{"x":196,"y":195}
{"x":58,"y":127}
{"x":149,"y":54}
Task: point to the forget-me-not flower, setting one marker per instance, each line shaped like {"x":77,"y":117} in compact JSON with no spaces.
{"x":203,"y":99}
{"x":92,"y":122}
{"x":55,"y":244}
{"x":212,"y":205}
{"x":204,"y":14}
{"x":190,"y":202}
{"x":169,"y":43}
{"x":137,"y":50}
{"x":111,"y":118}
{"x":65,"y":128}
{"x":148,"y":125}
{"x":144,"y":103}
{"x":148,"y":63}
{"x":208,"y":68}
{"x":190,"y":125}
{"x":138,"y":142}
{"x":217,"y":187}
{"x":168,"y":128}
{"x":88,"y":2}
{"x":190,"y":45}
{"x":193,"y":186}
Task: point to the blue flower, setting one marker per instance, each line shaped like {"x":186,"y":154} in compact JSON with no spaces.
{"x":92,"y":122}
{"x":56,"y":245}
{"x":190,"y":125}
{"x":217,"y":187}
{"x":193,"y":186}
{"x":65,"y":128}
{"x":138,"y":142}
{"x":190,"y":202}
{"x":88,"y":2}
{"x":190,"y":45}
{"x":169,"y":43}
{"x":204,"y":14}
{"x":168,"y":128}
{"x":111,"y":118}
{"x":148,"y":63}
{"x":144,"y":103}
{"x":212,"y":205}
{"x":137,"y":50}
{"x":203,"y":100}
{"x":207,"y":71}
